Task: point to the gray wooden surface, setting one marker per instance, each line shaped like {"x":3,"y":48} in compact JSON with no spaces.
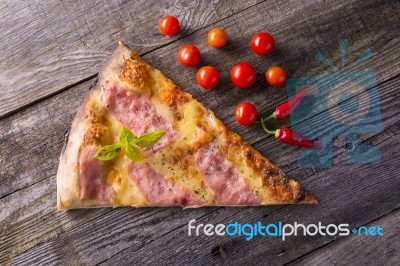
{"x":51,"y":52}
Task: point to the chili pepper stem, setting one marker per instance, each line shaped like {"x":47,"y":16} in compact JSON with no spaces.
{"x":277,"y":133}
{"x":271,"y":132}
{"x":272,"y":116}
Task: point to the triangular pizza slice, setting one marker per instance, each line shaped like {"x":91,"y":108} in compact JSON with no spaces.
{"x":197,"y":162}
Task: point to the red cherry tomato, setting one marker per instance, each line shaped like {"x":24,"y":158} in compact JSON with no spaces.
{"x":243,"y":75}
{"x":208,"y":77}
{"x":262,"y":43}
{"x":169,"y":25}
{"x":275,"y":76}
{"x":246,"y":113}
{"x":189,"y":55}
{"x":217,"y":38}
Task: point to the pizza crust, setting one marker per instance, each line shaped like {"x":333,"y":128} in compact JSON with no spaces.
{"x":277,"y":187}
{"x":68,"y":187}
{"x":68,"y":184}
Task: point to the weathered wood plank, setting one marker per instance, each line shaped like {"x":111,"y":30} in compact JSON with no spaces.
{"x":25,"y":167}
{"x":365,"y":250}
{"x":345,"y":200}
{"x":48,"y":45}
{"x":96,"y":225}
{"x":27,"y":185}
{"x":31,"y":140}
{"x":296,"y":56}
{"x":296,"y":45}
{"x":338,"y":207}
{"x":31,"y":211}
{"x":344,"y":192}
{"x":53,"y":231}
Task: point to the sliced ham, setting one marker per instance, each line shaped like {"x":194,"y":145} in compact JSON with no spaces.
{"x":91,"y":177}
{"x":156,"y":188}
{"x":223,"y":178}
{"x":137,"y":113}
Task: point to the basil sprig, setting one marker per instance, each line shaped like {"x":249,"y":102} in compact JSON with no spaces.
{"x":129,"y":143}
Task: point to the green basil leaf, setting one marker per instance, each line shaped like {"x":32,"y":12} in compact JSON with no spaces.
{"x":108,"y":152}
{"x":126,"y":137}
{"x":133,"y":153}
{"x":149,"y":139}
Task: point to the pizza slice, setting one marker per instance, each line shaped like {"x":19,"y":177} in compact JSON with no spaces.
{"x":194,"y":161}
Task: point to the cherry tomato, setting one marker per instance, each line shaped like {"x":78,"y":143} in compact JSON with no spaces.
{"x":169,"y":25}
{"x":243,"y":75}
{"x":262,"y":43}
{"x":246,"y":113}
{"x":275,"y":76}
{"x":189,"y":55}
{"x":208,"y":77}
{"x":217,"y":38}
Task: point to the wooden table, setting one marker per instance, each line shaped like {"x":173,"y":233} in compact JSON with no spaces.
{"x":51,"y":52}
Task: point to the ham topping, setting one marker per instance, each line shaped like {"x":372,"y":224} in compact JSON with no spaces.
{"x":223,"y":178}
{"x":91,"y":177}
{"x":156,"y":188}
{"x":137,"y":113}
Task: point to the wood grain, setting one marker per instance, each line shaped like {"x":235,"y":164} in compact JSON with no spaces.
{"x":34,"y":137}
{"x":373,"y":250}
{"x":53,"y":231}
{"x":33,"y":232}
{"x":49,"y":45}
{"x":91,"y":245}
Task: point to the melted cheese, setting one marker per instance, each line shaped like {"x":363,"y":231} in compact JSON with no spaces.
{"x":195,"y":126}
{"x":181,"y":170}
{"x":252,"y":178}
{"x":176,"y":161}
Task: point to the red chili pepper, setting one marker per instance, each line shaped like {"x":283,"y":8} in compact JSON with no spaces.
{"x":285,"y":109}
{"x":288,"y":136}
